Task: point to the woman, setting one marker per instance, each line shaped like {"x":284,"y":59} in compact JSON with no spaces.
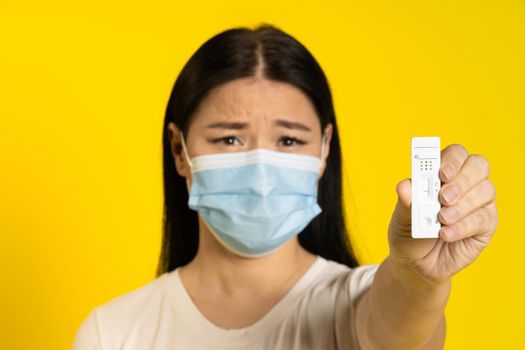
{"x":255,"y":254}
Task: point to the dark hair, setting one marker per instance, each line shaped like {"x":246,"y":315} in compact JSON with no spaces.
{"x":232,"y":54}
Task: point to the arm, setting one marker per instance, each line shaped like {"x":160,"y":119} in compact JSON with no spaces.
{"x":401,"y":310}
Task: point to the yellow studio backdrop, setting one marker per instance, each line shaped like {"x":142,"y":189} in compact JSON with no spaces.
{"x":83,"y":88}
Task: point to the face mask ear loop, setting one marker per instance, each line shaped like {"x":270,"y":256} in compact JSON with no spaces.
{"x":187,"y":158}
{"x":322,"y":149}
{"x":185,"y":150}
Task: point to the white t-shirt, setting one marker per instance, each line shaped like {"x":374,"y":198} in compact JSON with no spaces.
{"x":316,"y":313}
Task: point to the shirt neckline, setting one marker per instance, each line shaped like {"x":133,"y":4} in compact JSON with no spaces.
{"x":182,"y":303}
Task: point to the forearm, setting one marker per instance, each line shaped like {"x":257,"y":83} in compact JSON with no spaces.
{"x":400,"y":310}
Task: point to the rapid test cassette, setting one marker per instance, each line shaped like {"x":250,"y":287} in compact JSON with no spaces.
{"x":426,"y":161}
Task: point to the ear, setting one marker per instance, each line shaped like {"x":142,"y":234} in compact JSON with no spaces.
{"x":328,"y":131}
{"x":179,"y":157}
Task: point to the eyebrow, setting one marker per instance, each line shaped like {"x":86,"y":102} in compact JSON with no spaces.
{"x":238,"y":125}
{"x":227,"y":125}
{"x":291,"y":125}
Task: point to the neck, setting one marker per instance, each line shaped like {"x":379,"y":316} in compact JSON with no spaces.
{"x":217,"y":270}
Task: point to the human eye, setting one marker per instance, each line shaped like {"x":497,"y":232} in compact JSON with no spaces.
{"x":226,"y":140}
{"x":291,"y":141}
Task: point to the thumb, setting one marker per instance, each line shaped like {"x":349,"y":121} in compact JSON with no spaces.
{"x":403,"y":211}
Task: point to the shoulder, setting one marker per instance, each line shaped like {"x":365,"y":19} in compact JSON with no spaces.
{"x":145,"y":299}
{"x":108,"y":322}
{"x":352,"y":280}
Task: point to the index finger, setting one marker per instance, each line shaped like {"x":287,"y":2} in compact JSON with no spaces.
{"x":452,"y":158}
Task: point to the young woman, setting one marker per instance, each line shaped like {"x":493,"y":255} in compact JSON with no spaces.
{"x":255,"y":252}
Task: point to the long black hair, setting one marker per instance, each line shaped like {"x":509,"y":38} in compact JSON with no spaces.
{"x":237,"y":53}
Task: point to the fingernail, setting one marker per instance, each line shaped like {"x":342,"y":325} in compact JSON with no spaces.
{"x":450,"y":213}
{"x":448,"y":233}
{"x":448,"y":171}
{"x":451,"y":193}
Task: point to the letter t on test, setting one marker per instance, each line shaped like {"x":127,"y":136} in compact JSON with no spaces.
{"x":426,"y":161}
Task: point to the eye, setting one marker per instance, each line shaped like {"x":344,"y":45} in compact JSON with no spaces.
{"x":227,"y":140}
{"x":291,"y":141}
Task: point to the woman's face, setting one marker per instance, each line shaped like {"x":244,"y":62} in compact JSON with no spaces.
{"x":250,"y":113}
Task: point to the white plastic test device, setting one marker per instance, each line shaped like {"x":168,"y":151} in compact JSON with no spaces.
{"x":426,"y":161}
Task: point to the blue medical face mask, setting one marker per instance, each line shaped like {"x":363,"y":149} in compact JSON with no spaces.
{"x":254,"y":201}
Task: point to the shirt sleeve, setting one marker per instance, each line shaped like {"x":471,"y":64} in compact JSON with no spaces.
{"x":87,"y":336}
{"x":361,"y":279}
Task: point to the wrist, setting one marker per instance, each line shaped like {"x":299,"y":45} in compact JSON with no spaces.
{"x":414,"y":280}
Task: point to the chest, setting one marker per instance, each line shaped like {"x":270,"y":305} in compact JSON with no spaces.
{"x":232,"y":313}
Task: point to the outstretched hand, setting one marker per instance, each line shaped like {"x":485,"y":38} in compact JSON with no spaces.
{"x":469,"y":218}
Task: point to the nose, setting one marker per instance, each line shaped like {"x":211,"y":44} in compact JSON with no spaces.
{"x":264,"y":186}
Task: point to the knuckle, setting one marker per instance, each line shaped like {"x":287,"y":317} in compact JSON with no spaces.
{"x":492,"y":217}
{"x":468,"y":203}
{"x":481,"y":218}
{"x":464,"y":182}
{"x":489,"y":189}
{"x":457,"y":148}
{"x":482,"y":162}
{"x":492,"y":189}
{"x":494,"y":214}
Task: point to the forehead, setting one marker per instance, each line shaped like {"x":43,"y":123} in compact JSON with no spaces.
{"x":256,"y":100}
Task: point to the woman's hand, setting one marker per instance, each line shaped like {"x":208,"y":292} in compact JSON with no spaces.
{"x":469,"y":218}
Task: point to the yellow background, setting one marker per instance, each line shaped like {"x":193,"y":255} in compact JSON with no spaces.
{"x":83,"y":88}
